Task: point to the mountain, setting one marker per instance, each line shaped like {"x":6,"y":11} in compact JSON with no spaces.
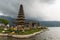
{"x":46,"y":23}
{"x":10,"y":19}
{"x":50,"y":23}
{"x":42,"y":23}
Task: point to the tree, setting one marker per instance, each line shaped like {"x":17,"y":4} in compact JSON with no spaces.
{"x":4,"y":21}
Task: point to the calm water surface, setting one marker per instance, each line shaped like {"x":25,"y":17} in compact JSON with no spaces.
{"x":52,"y":34}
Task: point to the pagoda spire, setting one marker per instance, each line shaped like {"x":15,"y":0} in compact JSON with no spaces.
{"x":20,"y":18}
{"x":21,"y":12}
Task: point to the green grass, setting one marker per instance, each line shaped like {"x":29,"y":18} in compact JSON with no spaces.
{"x":28,"y":32}
{"x":19,"y":32}
{"x":1,"y":29}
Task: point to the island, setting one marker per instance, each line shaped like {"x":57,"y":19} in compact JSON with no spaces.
{"x":22,"y":29}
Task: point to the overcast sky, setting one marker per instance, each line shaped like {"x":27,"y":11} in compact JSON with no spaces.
{"x":42,"y":10}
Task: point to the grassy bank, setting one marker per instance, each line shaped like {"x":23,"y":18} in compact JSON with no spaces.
{"x":20,"y":32}
{"x":28,"y":31}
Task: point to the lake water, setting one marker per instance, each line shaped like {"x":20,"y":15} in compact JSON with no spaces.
{"x":52,"y":34}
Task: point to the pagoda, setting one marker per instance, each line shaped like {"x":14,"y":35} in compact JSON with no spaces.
{"x":20,"y":18}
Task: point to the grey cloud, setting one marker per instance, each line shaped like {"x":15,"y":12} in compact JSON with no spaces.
{"x":48,"y":1}
{"x":9,"y":7}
